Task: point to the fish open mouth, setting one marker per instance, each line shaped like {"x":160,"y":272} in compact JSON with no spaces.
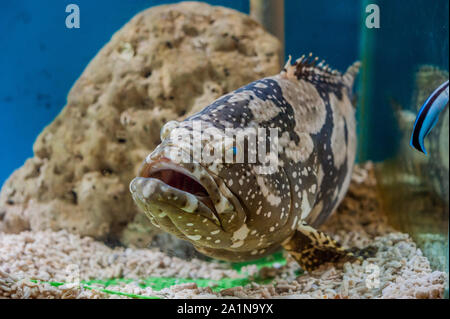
{"x":187,"y":200}
{"x":178,"y":178}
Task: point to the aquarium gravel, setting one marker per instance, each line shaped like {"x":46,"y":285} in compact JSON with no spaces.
{"x":49,"y":264}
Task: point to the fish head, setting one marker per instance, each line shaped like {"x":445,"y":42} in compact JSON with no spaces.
{"x":197,"y":188}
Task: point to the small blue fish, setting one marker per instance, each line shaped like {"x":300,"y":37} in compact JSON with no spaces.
{"x":428,"y":116}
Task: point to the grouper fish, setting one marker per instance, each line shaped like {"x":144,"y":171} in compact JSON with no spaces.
{"x":288,"y":175}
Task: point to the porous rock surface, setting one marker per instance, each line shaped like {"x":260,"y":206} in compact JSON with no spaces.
{"x":166,"y":63}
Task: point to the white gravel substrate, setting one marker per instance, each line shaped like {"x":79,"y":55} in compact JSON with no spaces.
{"x":397,"y":271}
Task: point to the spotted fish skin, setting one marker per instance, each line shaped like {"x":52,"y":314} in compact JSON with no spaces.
{"x":255,"y":213}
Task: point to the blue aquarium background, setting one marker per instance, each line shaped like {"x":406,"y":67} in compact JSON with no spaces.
{"x":41,"y":59}
{"x":412,"y":33}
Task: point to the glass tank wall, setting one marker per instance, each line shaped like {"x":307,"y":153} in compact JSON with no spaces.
{"x":405,"y":60}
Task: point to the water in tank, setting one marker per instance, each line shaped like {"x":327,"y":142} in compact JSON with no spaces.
{"x":345,"y":198}
{"x":404,"y":67}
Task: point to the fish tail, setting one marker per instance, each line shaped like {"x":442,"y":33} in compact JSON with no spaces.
{"x":417,"y":144}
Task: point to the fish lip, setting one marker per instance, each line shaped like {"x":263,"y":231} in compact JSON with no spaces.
{"x":166,"y":164}
{"x":138,"y":196}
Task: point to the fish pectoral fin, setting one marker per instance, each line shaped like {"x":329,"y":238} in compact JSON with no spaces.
{"x":312,"y":248}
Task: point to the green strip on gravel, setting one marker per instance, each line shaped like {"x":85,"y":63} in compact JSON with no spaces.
{"x":159,"y":283}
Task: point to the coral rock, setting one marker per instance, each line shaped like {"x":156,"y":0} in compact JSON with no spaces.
{"x":166,"y":63}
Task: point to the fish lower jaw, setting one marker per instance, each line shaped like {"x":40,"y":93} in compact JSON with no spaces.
{"x":168,"y":201}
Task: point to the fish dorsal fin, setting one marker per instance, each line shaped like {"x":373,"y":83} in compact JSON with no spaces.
{"x":307,"y":68}
{"x":351,"y":73}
